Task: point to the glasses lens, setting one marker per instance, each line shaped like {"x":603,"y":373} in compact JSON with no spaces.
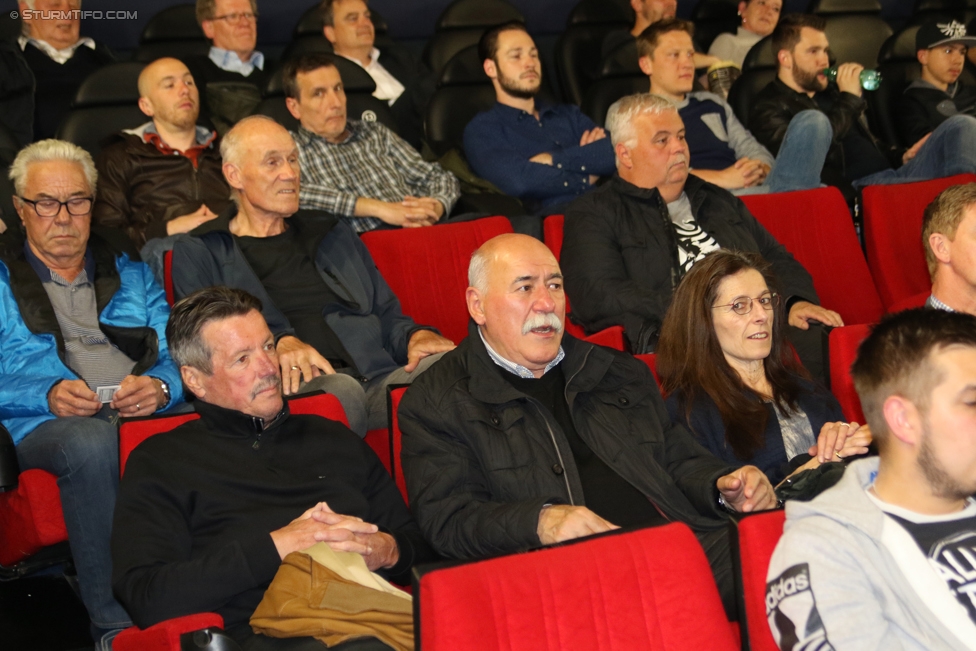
{"x":47,"y":207}
{"x":79,"y":206}
{"x":742,"y":305}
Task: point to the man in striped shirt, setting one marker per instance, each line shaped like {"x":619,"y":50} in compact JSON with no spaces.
{"x":360,"y":171}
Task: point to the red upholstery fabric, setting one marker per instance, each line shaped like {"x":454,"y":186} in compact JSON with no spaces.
{"x":756,"y":540}
{"x":816,"y":227}
{"x":893,"y":234}
{"x":427,"y":269}
{"x":168,"y":278}
{"x":379,"y":440}
{"x":395,"y":396}
{"x":552,"y":234}
{"x":843,"y":349}
{"x":164,"y":636}
{"x":651,"y":360}
{"x":30,"y":517}
{"x":917,"y":300}
{"x":649,"y":589}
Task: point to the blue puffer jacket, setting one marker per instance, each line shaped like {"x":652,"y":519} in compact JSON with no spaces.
{"x":132,"y":313}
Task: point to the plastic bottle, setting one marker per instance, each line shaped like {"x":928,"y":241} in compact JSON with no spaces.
{"x":870,"y":79}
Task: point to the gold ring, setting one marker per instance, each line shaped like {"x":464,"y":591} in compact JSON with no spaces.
{"x":295,"y":368}
{"x":137,"y":406}
{"x":837,"y":454}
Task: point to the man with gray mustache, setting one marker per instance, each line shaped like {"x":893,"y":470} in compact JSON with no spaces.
{"x":525,"y":436}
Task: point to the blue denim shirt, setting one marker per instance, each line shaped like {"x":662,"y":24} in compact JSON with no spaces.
{"x":499,"y":143}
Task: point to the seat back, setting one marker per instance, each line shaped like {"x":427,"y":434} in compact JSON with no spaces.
{"x":604,"y":92}
{"x":882,"y":103}
{"x":831,"y":7}
{"x":601,"y":11}
{"x":816,"y":227}
{"x":893,"y":234}
{"x":651,"y":360}
{"x":753,"y":541}
{"x":172,"y":32}
{"x":918,"y":300}
{"x":394,"y":396}
{"x":431,"y":287}
{"x":742,"y":95}
{"x":449,"y":111}
{"x":711,"y":18}
{"x":630,"y":590}
{"x":134,"y":431}
{"x":857,"y":38}
{"x":578,"y":57}
{"x":462,"y":14}
{"x":843,"y":350}
{"x":168,"y":277}
{"x":624,"y":60}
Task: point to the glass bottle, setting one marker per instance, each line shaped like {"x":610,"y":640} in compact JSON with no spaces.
{"x":870,"y":79}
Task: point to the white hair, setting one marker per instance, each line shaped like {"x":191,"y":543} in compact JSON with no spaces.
{"x":478,"y":271}
{"x":25,"y":25}
{"x":620,"y":116}
{"x":51,"y":150}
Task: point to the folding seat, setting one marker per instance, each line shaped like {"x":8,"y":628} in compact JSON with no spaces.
{"x":816,"y":227}
{"x":898,"y":67}
{"x":856,"y":38}
{"x":106,"y":103}
{"x":651,"y":360}
{"x":10,"y":28}
{"x":604,"y":92}
{"x":173,"y":32}
{"x":394,"y":395}
{"x":647,"y":589}
{"x":623,"y":61}
{"x":578,"y":56}
{"x":893,"y":234}
{"x":461,"y":24}
{"x":711,"y":18}
{"x":917,"y":300}
{"x":451,"y":108}
{"x":754,"y":538}
{"x":742,"y":95}
{"x":843,"y":350}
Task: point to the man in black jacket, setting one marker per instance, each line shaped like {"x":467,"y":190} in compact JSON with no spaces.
{"x":856,"y":158}
{"x":524,"y":436}
{"x":628,"y":243}
{"x":207,"y":512}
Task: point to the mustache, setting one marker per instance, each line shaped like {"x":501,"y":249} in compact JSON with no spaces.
{"x":678,"y":158}
{"x":271,"y":382}
{"x":542,"y":321}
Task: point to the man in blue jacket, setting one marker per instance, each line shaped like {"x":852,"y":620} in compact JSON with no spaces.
{"x":83,"y":342}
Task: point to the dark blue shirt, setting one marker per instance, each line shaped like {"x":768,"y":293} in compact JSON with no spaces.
{"x":499,"y":143}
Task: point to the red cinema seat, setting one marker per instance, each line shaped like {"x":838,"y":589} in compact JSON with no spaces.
{"x":753,"y":541}
{"x":394,"y":396}
{"x":168,"y":277}
{"x":917,"y":300}
{"x":649,"y":589}
{"x":427,"y":269}
{"x":30,"y":521}
{"x":893,"y":234}
{"x":843,"y":349}
{"x":651,"y":360}
{"x":816,"y":227}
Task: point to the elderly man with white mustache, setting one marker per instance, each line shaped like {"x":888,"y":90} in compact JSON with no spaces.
{"x":629,"y":242}
{"x":524,"y":436}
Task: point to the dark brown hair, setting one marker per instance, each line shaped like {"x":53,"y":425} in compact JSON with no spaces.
{"x":786,"y":34}
{"x":647,"y":41}
{"x":303,"y":63}
{"x":184,"y":330}
{"x":488,"y":44}
{"x":690,"y":359}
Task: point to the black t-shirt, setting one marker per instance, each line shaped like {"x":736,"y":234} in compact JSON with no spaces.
{"x":294,"y":284}
{"x":861,"y":156}
{"x":950,"y":546}
{"x":606,"y":493}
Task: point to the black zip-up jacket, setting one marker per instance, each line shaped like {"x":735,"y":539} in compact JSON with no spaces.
{"x":620,"y":254}
{"x":197,"y":505}
{"x":481,"y":458}
{"x":923,"y":107}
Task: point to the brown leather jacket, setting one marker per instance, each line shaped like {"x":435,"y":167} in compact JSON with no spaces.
{"x":140,"y":188}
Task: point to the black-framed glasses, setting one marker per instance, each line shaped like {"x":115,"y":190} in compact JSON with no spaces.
{"x":237,"y":17}
{"x":77,"y":206}
{"x":742,"y":305}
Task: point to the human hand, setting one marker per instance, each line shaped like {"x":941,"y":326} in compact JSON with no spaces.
{"x":431,"y":207}
{"x":401,"y":214}
{"x":802,"y":312}
{"x":545,"y":158}
{"x":72,"y":398}
{"x":341,"y":532}
{"x":423,"y":343}
{"x":138,"y":395}
{"x":747,"y":489}
{"x":298,"y":362}
{"x":594,"y":134}
{"x":187,"y":223}
{"x":560,"y":522}
{"x":913,"y":150}
{"x":841,"y":440}
{"x":753,"y":171}
{"x":745,"y":171}
{"x":849,"y":78}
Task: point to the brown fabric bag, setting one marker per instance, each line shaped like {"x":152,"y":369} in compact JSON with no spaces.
{"x":321,"y":593}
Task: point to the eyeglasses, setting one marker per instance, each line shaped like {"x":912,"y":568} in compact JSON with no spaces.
{"x":77,"y":206}
{"x":742,"y":305}
{"x":235,"y":17}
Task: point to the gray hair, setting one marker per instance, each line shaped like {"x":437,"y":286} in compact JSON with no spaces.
{"x":25,"y":25}
{"x":189,"y":316}
{"x":620,"y":116}
{"x":232,"y":145}
{"x":43,"y":151}
{"x":207,"y":10}
{"x":478,"y":271}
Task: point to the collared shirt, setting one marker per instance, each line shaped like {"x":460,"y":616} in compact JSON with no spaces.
{"x":88,"y":352}
{"x":935,"y":304}
{"x":372,"y":162}
{"x":518,"y":369}
{"x":499,"y":143}
{"x":388,"y":88}
{"x":149,"y":134}
{"x":231,"y":62}
{"x":59,"y":56}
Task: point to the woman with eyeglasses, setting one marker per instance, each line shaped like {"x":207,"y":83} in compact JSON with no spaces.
{"x":731,"y":377}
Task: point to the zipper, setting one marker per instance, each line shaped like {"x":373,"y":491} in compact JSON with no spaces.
{"x":559,"y":455}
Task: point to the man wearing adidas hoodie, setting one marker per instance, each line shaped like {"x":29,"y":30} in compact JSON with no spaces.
{"x":886,"y":559}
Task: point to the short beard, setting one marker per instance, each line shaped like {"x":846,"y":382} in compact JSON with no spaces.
{"x":942,"y":485}
{"x":511,"y":87}
{"x":806,"y":80}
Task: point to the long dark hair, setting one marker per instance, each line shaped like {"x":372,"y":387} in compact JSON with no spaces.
{"x":690,"y":359}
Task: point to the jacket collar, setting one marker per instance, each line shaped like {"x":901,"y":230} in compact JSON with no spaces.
{"x":313,"y":225}
{"x":237,"y":424}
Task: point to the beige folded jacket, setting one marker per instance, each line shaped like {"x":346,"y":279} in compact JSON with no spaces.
{"x":333,"y":597}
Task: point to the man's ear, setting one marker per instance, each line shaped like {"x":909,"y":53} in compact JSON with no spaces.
{"x":939,"y":244}
{"x":923,"y":57}
{"x":490,"y":69}
{"x":192,"y":378}
{"x":329,"y":32}
{"x":903,"y":419}
{"x":623,"y":156}
{"x":646,"y":65}
{"x":294,"y":108}
{"x":233,"y":175}
{"x":208,"y":29}
{"x":785,"y":58}
{"x":476,"y":307}
{"x":146,"y":106}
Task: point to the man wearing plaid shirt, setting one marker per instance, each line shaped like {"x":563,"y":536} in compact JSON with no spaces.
{"x":360,"y":171}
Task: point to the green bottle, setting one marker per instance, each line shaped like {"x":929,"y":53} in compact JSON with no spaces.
{"x":870,"y":79}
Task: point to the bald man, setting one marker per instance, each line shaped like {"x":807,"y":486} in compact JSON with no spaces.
{"x":525,"y":436}
{"x":163,"y":177}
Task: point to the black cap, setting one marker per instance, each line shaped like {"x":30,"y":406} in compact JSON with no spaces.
{"x":940,"y":32}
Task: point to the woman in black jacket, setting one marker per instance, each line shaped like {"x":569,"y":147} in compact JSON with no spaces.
{"x":736,"y":383}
